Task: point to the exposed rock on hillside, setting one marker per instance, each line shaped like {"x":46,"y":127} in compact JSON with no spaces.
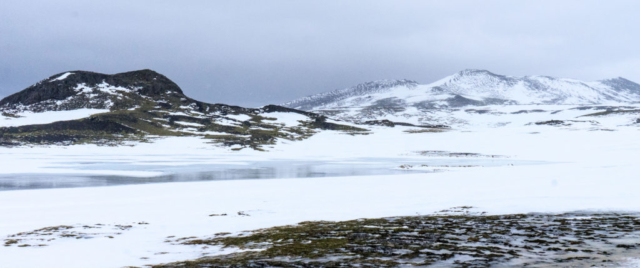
{"x":142,"y":105}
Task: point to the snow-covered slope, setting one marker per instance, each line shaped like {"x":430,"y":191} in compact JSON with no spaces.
{"x":353,"y":93}
{"x":31,"y":118}
{"x":482,"y":84}
{"x":405,"y":99}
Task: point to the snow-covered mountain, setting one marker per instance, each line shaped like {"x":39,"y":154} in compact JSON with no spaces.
{"x":476,"y":87}
{"x":337,"y":96}
{"x":86,"y":107}
{"x":405,"y":98}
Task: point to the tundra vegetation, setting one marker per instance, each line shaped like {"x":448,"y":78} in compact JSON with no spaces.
{"x":455,"y":237}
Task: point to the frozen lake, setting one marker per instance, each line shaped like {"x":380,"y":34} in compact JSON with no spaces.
{"x":201,"y":170}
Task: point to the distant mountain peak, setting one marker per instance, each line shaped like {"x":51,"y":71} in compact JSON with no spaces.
{"x":474,"y":72}
{"x":624,"y":85}
{"x":388,"y":82}
{"x":470,"y":87}
{"x":362,"y":89}
{"x":378,"y":85}
{"x":617,"y":79}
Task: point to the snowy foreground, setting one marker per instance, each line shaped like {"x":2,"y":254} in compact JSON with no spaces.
{"x":586,"y":170}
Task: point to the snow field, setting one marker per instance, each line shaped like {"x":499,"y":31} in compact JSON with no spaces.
{"x":591,"y":170}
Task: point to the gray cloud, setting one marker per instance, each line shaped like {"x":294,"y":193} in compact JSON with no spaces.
{"x":258,"y":52}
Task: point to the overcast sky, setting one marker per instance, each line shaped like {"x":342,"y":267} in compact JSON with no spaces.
{"x":253,"y":53}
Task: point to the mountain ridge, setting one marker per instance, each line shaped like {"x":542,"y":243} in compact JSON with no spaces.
{"x":363,"y":88}
{"x":485,"y":86}
{"x":407,"y":101}
{"x":140,"y":106}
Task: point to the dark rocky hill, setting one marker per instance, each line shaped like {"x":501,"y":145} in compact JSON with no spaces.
{"x":143,"y":105}
{"x":81,"y":89}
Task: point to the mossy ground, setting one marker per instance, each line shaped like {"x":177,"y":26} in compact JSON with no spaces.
{"x":44,"y":236}
{"x":463,"y":240}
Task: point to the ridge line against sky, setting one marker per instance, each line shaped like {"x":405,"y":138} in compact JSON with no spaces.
{"x":254,"y":53}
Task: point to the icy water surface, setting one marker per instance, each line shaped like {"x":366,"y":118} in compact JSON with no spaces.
{"x":199,"y":170}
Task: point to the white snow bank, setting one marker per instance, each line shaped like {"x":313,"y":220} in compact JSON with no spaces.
{"x":288,"y":119}
{"x":189,"y":124}
{"x":239,"y":117}
{"x":631,"y":263}
{"x":183,"y":209}
{"x":62,"y":77}
{"x":30,"y":118}
{"x":102,"y":87}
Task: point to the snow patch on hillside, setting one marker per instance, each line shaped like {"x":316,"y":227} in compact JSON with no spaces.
{"x":239,"y":117}
{"x":31,"y":118}
{"x":191,"y":124}
{"x":62,"y":77}
{"x":287,"y":119}
{"x":102,"y":87}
